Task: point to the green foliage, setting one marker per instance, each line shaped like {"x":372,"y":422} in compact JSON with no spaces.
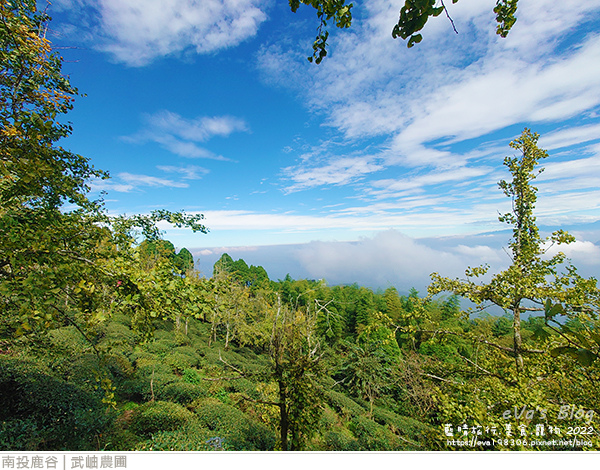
{"x":238,"y":431}
{"x":340,"y":440}
{"x":191,"y":437}
{"x":153,"y":250}
{"x":366,"y":371}
{"x":179,"y":362}
{"x":184,"y":261}
{"x":39,"y":412}
{"x":182,"y":392}
{"x":505,"y":16}
{"x":344,"y":405}
{"x":531,"y":278}
{"x":413,"y":17}
{"x":239,"y":272}
{"x":414,"y":434}
{"x":502,"y":326}
{"x":327,"y":10}
{"x":157,"y":416}
{"x":372,"y":436}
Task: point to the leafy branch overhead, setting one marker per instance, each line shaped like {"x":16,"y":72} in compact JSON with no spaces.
{"x":413,"y":17}
{"x":326,"y":11}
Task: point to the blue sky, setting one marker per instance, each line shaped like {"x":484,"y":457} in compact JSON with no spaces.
{"x":380,"y":165}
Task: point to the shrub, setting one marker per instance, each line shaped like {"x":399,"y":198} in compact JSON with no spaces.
{"x":118,"y":335}
{"x":146,"y":366}
{"x":42,"y":413}
{"x":179,"y":362}
{"x":68,"y":340}
{"x":344,"y":405}
{"x":372,"y":436}
{"x":239,"y":431}
{"x":79,"y":370}
{"x":161,"y":347}
{"x":329,"y":419}
{"x":182,"y":392}
{"x":244,"y":387}
{"x":157,"y":416}
{"x":189,"y":438}
{"x":340,"y":440}
{"x":181,"y":338}
{"x":192,"y":376}
{"x":121,"y":319}
{"x":118,"y":364}
{"x":414,"y":431}
{"x":188,"y":351}
{"x":146,"y":386}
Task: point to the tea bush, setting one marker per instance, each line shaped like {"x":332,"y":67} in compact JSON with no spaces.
{"x":43,"y":413}
{"x":372,"y":436}
{"x":239,"y":431}
{"x":157,"y":416}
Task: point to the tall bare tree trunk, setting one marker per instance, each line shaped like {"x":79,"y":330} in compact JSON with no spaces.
{"x":517,"y":339}
{"x":283,"y":416}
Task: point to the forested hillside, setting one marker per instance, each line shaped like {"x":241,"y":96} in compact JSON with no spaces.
{"x":110,"y":340}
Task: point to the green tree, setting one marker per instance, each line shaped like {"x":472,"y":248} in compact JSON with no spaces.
{"x":296,"y":367}
{"x":512,"y":362}
{"x":50,"y":256}
{"x":532,"y":277}
{"x":151,"y":251}
{"x":63,"y":261}
{"x":393,"y":304}
{"x":366,"y":371}
{"x":35,"y":173}
{"x":184,"y":260}
{"x":224,"y":264}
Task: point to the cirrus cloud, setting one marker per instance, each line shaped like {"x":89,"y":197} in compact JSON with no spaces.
{"x":181,"y":136}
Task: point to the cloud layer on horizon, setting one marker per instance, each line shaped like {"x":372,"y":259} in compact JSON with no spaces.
{"x":390,"y":258}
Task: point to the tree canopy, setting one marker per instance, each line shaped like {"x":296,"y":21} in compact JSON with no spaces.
{"x":63,"y":260}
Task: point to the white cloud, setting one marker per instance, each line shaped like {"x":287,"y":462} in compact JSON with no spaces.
{"x":529,"y":93}
{"x":126,"y":182}
{"x":409,"y":185}
{"x":181,"y":136}
{"x":340,"y":171}
{"x":581,"y":252}
{"x":450,"y":88}
{"x":199,"y":129}
{"x":483,"y":253}
{"x":189,"y":172}
{"x":152,"y":181}
{"x":580,"y":168}
{"x":137,"y":32}
{"x":358,"y":220}
{"x":570,"y":136}
{"x":387,"y":258}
